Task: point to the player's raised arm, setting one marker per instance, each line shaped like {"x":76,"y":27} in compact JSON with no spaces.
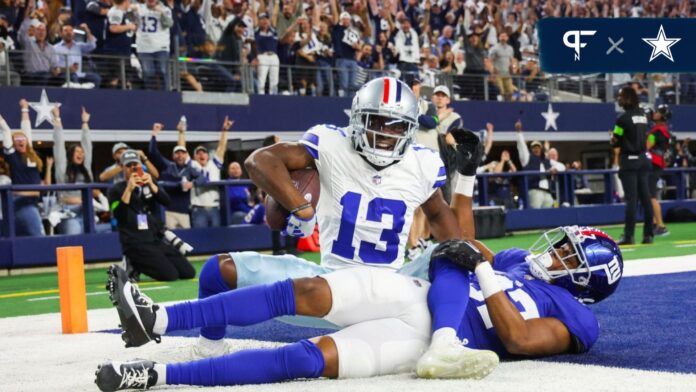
{"x":269,"y":168}
{"x":443,"y":223}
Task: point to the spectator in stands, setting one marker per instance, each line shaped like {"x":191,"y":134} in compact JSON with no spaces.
{"x":119,"y":38}
{"x":6,"y":44}
{"x":135,"y":205}
{"x":40,"y":67}
{"x":69,"y":54}
{"x":502,"y":56}
{"x":55,"y":30}
{"x":216,"y":18}
{"x":533,"y":82}
{"x":406,"y":43}
{"x":283,"y":19}
{"x":231,"y":45}
{"x":500,"y":188}
{"x":346,"y":41}
{"x":152,"y":42}
{"x":471,"y":84}
{"x":205,"y":200}
{"x":238,"y":194}
{"x":305,"y":59}
{"x":93,"y":13}
{"x":266,"y":39}
{"x":370,"y":60}
{"x":75,"y":167}
{"x":325,"y":55}
{"x":540,"y":191}
{"x":4,"y":180}
{"x":447,"y":121}
{"x":193,"y":32}
{"x":180,"y":171}
{"x":25,"y":169}
{"x":114,"y":173}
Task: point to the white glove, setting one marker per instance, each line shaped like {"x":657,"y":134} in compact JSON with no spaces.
{"x":298,"y":227}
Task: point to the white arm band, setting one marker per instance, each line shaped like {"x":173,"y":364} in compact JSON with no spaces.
{"x":465,"y":185}
{"x":487,"y":279}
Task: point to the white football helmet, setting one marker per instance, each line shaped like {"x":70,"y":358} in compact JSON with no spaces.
{"x":384,"y":109}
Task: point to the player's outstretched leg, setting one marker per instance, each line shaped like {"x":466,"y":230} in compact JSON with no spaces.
{"x":447,"y":357}
{"x":303,"y":359}
{"x":143,"y":321}
{"x":135,"y":310}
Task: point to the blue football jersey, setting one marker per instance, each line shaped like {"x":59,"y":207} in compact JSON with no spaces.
{"x":533,"y":297}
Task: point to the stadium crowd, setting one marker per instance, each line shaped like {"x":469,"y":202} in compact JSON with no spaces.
{"x":334,"y":46}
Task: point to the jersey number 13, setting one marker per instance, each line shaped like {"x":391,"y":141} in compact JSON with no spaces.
{"x":377,"y":208}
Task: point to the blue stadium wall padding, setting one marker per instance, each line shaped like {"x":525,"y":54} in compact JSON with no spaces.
{"x":138,"y":109}
{"x":22,"y":252}
{"x":580,"y":215}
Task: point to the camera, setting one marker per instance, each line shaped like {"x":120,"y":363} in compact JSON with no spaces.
{"x":174,"y":240}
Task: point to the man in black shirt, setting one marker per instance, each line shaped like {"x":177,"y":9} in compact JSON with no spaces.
{"x":628,"y":139}
{"x":134,"y":205}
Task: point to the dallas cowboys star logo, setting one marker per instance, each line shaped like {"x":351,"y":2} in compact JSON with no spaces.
{"x":550,"y":116}
{"x":43,"y":109}
{"x":661,"y":45}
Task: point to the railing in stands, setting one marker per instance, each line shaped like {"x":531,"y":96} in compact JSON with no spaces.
{"x":563,"y":189}
{"x":207,"y":74}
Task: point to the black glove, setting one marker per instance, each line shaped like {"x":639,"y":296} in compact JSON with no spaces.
{"x":459,"y":252}
{"x":469,"y":151}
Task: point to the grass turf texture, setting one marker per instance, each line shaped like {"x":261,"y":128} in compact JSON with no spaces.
{"x":38,"y":293}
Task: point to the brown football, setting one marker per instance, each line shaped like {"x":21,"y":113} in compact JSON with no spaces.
{"x":307,"y":183}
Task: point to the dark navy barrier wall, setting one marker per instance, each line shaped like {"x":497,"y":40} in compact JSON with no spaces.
{"x":16,"y":252}
{"x":137,"y":110}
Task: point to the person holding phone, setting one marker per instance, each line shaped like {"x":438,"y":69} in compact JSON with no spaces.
{"x":69,"y":52}
{"x":135,"y":205}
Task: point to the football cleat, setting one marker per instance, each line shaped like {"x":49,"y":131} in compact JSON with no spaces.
{"x":135,"y":374}
{"x":135,"y":310}
{"x":450,"y":359}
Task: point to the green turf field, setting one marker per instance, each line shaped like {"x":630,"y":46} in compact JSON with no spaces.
{"x":38,"y":293}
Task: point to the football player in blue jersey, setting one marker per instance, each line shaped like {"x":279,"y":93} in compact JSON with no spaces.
{"x":515,"y":303}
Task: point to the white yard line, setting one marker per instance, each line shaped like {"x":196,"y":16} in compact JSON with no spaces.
{"x":96,"y":293}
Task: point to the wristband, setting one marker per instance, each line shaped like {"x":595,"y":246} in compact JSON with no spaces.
{"x":487,"y":279}
{"x":465,"y":185}
{"x":300,"y":208}
{"x":25,"y":110}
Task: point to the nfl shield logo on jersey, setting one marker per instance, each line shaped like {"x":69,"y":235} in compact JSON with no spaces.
{"x":376,"y":179}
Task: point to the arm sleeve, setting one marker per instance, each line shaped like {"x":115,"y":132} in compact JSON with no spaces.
{"x":162,"y":196}
{"x":160,"y":162}
{"x":618,"y":133}
{"x":26,"y":128}
{"x":319,"y":140}
{"x":59,"y":154}
{"x":6,"y":137}
{"x":522,"y":149}
{"x":427,"y":122}
{"x":115,"y":16}
{"x":167,"y":20}
{"x":86,"y":142}
{"x":118,"y":209}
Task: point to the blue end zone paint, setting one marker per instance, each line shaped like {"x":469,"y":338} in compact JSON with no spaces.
{"x":649,"y":324}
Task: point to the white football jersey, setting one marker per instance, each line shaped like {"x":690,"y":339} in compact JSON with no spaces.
{"x":365,"y":214}
{"x":151,"y":35}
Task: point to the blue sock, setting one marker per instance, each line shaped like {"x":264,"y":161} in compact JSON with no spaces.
{"x":246,"y":306}
{"x":448,"y":296}
{"x":210,"y":282}
{"x":297,"y":360}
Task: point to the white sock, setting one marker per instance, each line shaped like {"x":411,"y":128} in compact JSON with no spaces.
{"x":443,"y":335}
{"x":161,"y":370}
{"x":161,"y":321}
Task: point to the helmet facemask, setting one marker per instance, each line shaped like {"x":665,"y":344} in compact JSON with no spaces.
{"x":382,"y":138}
{"x":548,"y":246}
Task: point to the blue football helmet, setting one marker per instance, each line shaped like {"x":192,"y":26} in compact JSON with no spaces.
{"x":600,"y":264}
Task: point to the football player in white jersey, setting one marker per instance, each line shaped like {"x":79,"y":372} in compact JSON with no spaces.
{"x":372,"y":178}
{"x":152,"y":41}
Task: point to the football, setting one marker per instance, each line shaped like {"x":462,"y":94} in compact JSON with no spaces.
{"x":307,"y":183}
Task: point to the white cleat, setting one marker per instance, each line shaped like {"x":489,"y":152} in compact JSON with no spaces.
{"x":207,"y":348}
{"x":448,"y":358}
